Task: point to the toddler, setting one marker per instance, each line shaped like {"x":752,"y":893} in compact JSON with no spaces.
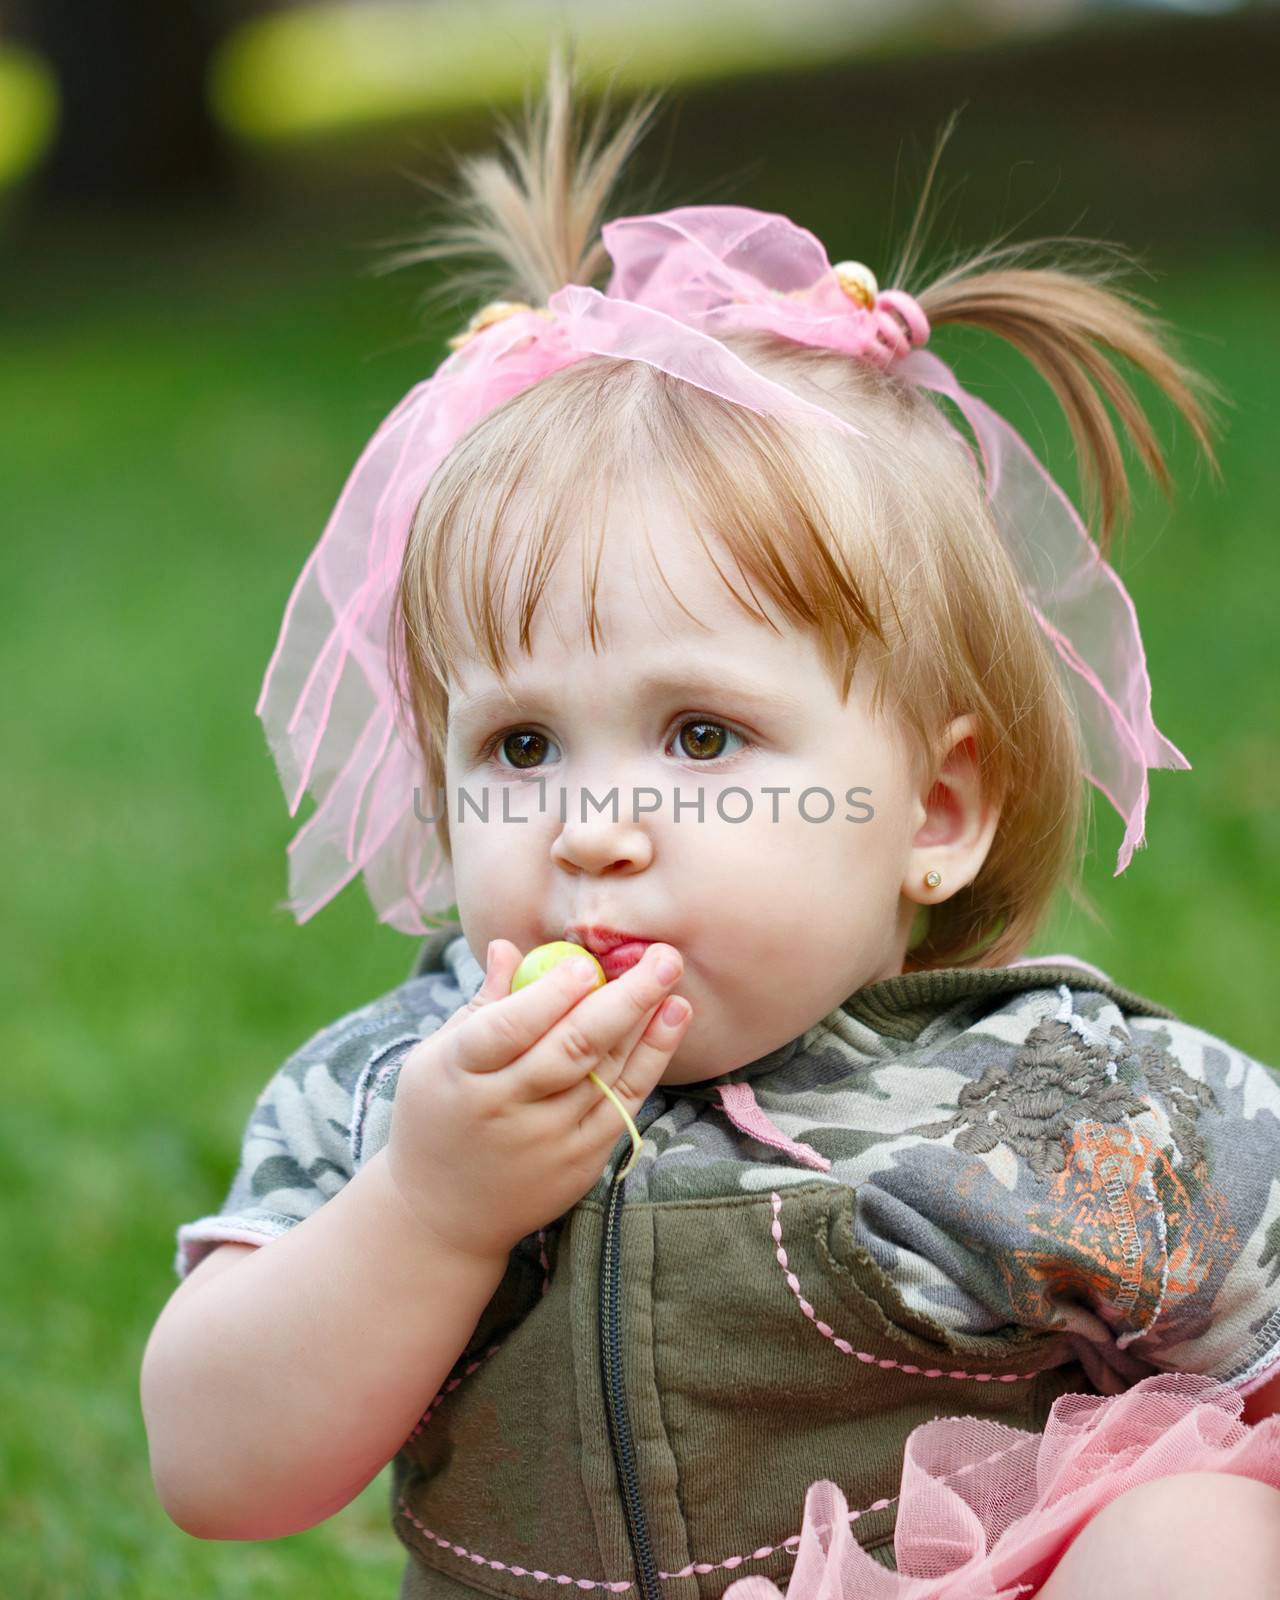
{"x":707,"y":622}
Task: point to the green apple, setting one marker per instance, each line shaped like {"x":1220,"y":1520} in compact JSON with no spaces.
{"x":542,"y":958}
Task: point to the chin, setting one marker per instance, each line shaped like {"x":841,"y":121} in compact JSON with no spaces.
{"x":679,"y":1072}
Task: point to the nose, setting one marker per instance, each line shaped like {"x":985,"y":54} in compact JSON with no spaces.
{"x":604,"y":842}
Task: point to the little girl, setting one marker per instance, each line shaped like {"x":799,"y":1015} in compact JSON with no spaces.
{"x":684,"y":621}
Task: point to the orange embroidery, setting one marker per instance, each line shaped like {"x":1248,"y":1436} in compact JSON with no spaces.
{"x":1100,"y":1223}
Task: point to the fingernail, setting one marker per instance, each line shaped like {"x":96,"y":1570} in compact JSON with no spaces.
{"x":667,"y":969}
{"x":581,"y":969}
{"x":674,"y":1011}
{"x":488,"y":960}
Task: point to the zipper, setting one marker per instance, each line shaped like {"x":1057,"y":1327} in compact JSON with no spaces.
{"x":620,"y":1440}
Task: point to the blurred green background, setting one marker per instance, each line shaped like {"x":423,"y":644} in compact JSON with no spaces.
{"x":194,"y":352}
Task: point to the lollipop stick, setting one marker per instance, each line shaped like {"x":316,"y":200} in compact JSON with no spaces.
{"x":622,"y":1112}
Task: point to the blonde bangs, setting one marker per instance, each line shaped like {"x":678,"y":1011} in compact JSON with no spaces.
{"x":546,"y":467}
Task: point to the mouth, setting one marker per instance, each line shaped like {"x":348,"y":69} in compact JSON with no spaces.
{"x":616,"y":950}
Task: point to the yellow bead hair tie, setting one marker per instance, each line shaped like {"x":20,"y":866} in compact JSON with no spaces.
{"x":495,"y":311}
{"x":858,"y":282}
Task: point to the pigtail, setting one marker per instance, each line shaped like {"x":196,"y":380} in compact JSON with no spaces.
{"x":535,"y":224}
{"x":1069,"y":325}
{"x":1070,"y":319}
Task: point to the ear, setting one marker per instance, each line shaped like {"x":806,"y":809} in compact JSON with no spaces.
{"x":958,"y":818}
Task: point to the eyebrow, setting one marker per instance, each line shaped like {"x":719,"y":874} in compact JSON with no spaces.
{"x":693,"y":683}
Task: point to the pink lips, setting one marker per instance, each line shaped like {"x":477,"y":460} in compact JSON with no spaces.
{"x":623,"y":957}
{"x":615,"y":950}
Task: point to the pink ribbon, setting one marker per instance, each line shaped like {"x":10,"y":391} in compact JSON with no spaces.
{"x":739,"y":1104}
{"x":680,"y":280}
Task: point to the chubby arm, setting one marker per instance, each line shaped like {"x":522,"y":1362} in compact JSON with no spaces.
{"x":279,"y":1379}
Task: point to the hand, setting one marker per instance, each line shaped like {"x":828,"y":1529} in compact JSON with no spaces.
{"x":496,"y":1129}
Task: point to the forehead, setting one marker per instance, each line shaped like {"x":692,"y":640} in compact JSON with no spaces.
{"x":659,"y":588}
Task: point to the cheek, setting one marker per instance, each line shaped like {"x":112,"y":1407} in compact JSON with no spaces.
{"x":489,"y":843}
{"x":738,"y":868}
{"x":878,"y":784}
{"x":503,"y":862}
{"x":484,"y":854}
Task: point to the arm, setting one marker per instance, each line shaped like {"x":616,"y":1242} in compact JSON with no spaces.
{"x":280,"y":1379}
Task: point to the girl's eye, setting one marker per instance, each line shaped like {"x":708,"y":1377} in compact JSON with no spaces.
{"x":704,"y":740}
{"x":525,"y":749}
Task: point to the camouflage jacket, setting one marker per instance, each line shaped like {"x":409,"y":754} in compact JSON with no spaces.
{"x":962,"y":1192}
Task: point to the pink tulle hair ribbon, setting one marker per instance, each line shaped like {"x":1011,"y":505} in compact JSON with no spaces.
{"x":680,"y":280}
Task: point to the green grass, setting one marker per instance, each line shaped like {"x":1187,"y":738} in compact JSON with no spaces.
{"x":180,"y":414}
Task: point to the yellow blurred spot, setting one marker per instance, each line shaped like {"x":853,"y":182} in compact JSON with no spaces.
{"x":319,"y":69}
{"x":28,"y":111}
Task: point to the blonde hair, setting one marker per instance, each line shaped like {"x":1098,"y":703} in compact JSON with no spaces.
{"x":883,"y":545}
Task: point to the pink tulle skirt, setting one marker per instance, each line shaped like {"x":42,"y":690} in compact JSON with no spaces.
{"x":986,"y":1511}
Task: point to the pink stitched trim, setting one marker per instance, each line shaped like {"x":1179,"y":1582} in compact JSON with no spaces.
{"x":620,"y":1587}
{"x":727,"y":1565}
{"x":729,"y":1562}
{"x":480,"y":1360}
{"x":450,"y":1387}
{"x":879,"y":1361}
{"x":501,"y":1566}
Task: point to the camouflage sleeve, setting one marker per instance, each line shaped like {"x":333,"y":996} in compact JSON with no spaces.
{"x":1116,"y":1181}
{"x":1214,"y":1167}
{"x":1150,"y":1229}
{"x":304,"y":1136}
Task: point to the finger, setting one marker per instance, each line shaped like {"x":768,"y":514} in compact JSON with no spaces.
{"x":502,"y":1028}
{"x":503,"y":959}
{"x":635,"y":1080}
{"x":599,"y":1032}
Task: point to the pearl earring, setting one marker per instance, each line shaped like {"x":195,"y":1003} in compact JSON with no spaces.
{"x":932,"y":879}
